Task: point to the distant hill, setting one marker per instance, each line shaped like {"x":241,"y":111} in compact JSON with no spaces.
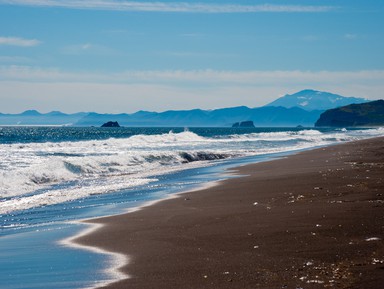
{"x":315,"y":100}
{"x":33,"y":117}
{"x":360,"y":115}
{"x":302,"y":108}
{"x":263,"y":116}
{"x":31,"y":113}
{"x":226,"y":117}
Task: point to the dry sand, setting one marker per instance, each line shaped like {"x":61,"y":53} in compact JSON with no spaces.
{"x":311,"y":220}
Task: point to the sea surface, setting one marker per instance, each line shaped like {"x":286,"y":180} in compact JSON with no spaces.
{"x":51,"y":177}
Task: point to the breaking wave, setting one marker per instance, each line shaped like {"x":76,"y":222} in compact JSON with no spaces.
{"x":36,"y":174}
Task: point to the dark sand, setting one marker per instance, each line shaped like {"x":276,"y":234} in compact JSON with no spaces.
{"x":312,"y":220}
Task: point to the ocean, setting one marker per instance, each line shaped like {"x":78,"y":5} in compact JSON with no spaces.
{"x":51,"y":177}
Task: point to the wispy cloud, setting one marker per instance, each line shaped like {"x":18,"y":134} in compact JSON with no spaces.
{"x":16,"y":41}
{"x":253,"y":77}
{"x":169,"y":6}
{"x":50,"y":89}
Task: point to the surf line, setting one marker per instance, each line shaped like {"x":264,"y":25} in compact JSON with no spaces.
{"x":114,"y":264}
{"x":118,"y":260}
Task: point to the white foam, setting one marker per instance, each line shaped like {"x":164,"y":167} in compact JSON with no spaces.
{"x":116,"y":262}
{"x":34,"y":166}
{"x":64,"y":171}
{"x":52,"y":197}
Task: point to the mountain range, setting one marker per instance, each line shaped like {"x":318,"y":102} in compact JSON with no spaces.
{"x":302,"y":108}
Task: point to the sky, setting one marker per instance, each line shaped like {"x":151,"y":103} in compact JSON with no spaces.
{"x":116,"y":56}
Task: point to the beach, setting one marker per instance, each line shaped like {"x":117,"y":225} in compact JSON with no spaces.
{"x":310,"y":220}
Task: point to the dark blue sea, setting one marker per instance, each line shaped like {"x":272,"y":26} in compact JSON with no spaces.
{"x":51,"y":177}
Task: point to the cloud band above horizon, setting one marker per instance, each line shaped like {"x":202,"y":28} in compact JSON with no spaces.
{"x":129,"y":91}
{"x":35,"y":74}
{"x":175,"y":7}
{"x":17,"y":41}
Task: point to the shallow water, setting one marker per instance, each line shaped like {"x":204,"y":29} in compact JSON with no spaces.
{"x":34,"y":259}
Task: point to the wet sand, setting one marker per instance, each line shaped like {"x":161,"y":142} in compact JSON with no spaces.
{"x":311,"y":220}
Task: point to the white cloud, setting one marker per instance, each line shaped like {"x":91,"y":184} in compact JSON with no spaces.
{"x":168,"y":6}
{"x":208,"y":77}
{"x":16,"y":41}
{"x":51,"y":89}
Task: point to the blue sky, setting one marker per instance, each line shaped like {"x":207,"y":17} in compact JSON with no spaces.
{"x":122,"y":56}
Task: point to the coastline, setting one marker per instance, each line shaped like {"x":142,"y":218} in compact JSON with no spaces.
{"x":309,"y":220}
{"x":117,"y":260}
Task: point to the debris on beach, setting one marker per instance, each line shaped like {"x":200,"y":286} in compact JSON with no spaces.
{"x":372,"y":239}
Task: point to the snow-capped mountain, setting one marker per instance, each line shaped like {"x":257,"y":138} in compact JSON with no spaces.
{"x":315,"y":100}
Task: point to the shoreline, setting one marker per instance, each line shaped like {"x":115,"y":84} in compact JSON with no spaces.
{"x":204,"y":238}
{"x":116,"y":262}
{"x":119,"y":260}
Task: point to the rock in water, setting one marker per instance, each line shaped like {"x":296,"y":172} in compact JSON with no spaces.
{"x":111,"y":124}
{"x":248,"y":123}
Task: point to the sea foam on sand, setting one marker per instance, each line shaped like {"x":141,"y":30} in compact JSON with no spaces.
{"x":115,"y":260}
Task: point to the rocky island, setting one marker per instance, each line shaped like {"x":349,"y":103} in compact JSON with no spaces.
{"x":248,"y":123}
{"x":111,"y":124}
